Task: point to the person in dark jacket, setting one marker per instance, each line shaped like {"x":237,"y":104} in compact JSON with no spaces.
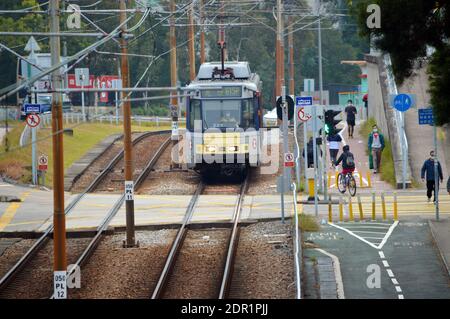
{"x":428,"y":170}
{"x":310,"y":152}
{"x":348,"y":160}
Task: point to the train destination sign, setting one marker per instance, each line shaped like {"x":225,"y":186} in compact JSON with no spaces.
{"x":226,"y":91}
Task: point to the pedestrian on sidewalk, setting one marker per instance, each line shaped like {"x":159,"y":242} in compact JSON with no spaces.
{"x":428,"y":169}
{"x":334,"y":145}
{"x":376,"y":146}
{"x":351,"y":111}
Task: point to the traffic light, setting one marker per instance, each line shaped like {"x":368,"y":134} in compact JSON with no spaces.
{"x":330,"y":122}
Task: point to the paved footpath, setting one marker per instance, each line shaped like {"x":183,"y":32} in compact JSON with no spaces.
{"x":358,"y":146}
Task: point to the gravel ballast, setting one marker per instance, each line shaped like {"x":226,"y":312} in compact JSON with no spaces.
{"x":117,"y":272}
{"x":264,"y":264}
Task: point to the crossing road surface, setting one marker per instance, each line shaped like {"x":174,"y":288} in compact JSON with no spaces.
{"x":408,"y":263}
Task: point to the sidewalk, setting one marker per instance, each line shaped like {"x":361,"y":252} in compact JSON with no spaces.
{"x":440,"y":230}
{"x":358,"y":145}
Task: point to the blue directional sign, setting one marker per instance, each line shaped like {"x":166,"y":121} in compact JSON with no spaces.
{"x":303,"y":100}
{"x":32,"y":108}
{"x":403,"y":102}
{"x":426,"y":116}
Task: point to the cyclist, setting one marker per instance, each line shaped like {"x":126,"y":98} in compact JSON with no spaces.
{"x":348,"y":161}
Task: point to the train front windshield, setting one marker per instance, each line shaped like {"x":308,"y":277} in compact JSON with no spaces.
{"x":223,"y":114}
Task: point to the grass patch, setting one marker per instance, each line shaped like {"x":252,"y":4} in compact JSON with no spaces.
{"x":308,"y":223}
{"x":387,"y":160}
{"x":16,"y":163}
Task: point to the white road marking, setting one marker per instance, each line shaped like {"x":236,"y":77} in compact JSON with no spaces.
{"x":385,"y":263}
{"x":353,"y":234}
{"x":367,"y":231}
{"x":401,"y":297}
{"x":394,"y":281}
{"x":391,"y":229}
{"x":398,"y":288}
{"x":337,"y":273}
{"x":390,"y":273}
{"x":381,"y":254}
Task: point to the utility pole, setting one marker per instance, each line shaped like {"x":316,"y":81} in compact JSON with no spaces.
{"x":191,"y":43}
{"x":324,"y":148}
{"x":202,"y":34}
{"x":291,"y":58}
{"x":59,"y":219}
{"x":279,"y":51}
{"x":128,"y":151}
{"x":173,"y":81}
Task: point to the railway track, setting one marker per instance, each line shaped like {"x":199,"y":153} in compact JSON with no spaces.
{"x":215,"y":269}
{"x":7,"y":281}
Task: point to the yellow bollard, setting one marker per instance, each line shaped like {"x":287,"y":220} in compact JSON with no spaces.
{"x":329,"y":179}
{"x":341,"y":210}
{"x":330,"y":210}
{"x":336,"y":179}
{"x":373,"y":205}
{"x":369,"y":183}
{"x":361,"y":214}
{"x":311,"y":189}
{"x":350,"y":208}
{"x":395,"y":206}
{"x":361,"y":180}
{"x":383,"y":206}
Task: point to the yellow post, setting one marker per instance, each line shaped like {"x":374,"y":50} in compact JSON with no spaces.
{"x":383,"y":206}
{"x":361,"y":214}
{"x":373,"y":205}
{"x":361,"y":180}
{"x":395,"y":206}
{"x":330,"y":210}
{"x":336,"y":179}
{"x":329,"y":179}
{"x":341,"y":210}
{"x":311,"y":189}
{"x":350,"y":208}
{"x":369,"y":183}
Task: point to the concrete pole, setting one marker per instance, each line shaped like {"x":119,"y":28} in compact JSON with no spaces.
{"x":173,"y":80}
{"x":324,"y":145}
{"x":128,"y":152}
{"x":191,"y":43}
{"x":291,"y":59}
{"x":59,"y":220}
{"x":278,"y":51}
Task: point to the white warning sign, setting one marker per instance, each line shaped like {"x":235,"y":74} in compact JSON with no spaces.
{"x":129,"y":190}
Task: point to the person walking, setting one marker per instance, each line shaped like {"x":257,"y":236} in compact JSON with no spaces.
{"x":351,"y":112}
{"x":428,"y":170}
{"x":334,"y":144}
{"x":376,"y":146}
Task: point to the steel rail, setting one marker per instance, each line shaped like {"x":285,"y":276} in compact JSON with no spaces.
{"x":233,"y":243}
{"x":82,"y":260}
{"x":41,"y":241}
{"x":176,"y":245}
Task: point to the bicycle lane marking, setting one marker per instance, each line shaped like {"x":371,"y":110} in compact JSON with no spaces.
{"x":385,"y":263}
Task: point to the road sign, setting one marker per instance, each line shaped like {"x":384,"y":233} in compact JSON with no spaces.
{"x":32,"y":108}
{"x":289,"y":160}
{"x":308,"y":85}
{"x":402,"y":102}
{"x":426,"y":116}
{"x":32,"y":45}
{"x":301,"y":115}
{"x":82,"y":77}
{"x":303,"y":100}
{"x":33,"y":120}
{"x":43,"y":163}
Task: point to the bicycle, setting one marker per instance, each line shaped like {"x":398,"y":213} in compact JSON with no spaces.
{"x":345,"y":182}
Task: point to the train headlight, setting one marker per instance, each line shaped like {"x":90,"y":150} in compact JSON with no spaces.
{"x":210,"y":149}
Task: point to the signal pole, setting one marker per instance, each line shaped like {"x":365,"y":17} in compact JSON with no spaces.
{"x":279,"y":51}
{"x":173,"y":80}
{"x":59,"y":220}
{"x":191,"y":43}
{"x":202,"y":33}
{"x":128,"y":151}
